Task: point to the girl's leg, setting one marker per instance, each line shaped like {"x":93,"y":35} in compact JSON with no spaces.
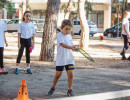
{"x":1,"y":57}
{"x":125,"y":47}
{"x":58,"y":73}
{"x":56,"y":77}
{"x":20,"y":53}
{"x":55,"y":80}
{"x":27,"y":57}
{"x":28,"y":44}
{"x":70,"y":79}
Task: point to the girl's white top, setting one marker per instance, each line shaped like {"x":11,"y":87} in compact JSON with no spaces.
{"x":2,"y":30}
{"x":64,"y":55}
{"x":26,"y":30}
{"x":126,"y":23}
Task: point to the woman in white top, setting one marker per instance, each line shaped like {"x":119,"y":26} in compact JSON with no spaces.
{"x":26,"y":34}
{"x":2,"y":41}
{"x":125,"y":34}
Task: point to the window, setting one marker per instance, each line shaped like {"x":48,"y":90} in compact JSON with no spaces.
{"x":76,"y":22}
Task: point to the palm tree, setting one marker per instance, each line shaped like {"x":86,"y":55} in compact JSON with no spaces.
{"x":49,"y":33}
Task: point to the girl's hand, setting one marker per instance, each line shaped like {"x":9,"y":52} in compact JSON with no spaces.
{"x":19,"y":45}
{"x":6,"y":44}
{"x":73,"y":48}
{"x":33,"y":45}
{"x":128,"y":36}
{"x":76,"y":48}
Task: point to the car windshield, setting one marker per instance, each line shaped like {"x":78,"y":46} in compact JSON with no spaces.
{"x":33,"y":21}
{"x":13,"y":22}
{"x":116,"y":26}
{"x":90,"y":23}
{"x":40,"y":21}
{"x":76,"y":22}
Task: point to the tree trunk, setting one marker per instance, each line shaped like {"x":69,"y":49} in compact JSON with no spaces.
{"x":84,"y":26}
{"x":27,"y":4}
{"x":68,"y":9}
{"x":71,"y":19}
{"x":49,"y":33}
{"x":0,"y":14}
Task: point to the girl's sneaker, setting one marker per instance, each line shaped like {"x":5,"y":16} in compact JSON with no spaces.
{"x":70,"y":93}
{"x":50,"y":93}
{"x":29,"y":71}
{"x":16,"y":71}
{"x":3,"y":71}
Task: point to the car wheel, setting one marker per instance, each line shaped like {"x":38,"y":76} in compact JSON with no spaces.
{"x":109,"y":35}
{"x":80,"y":32}
{"x":92,"y":35}
{"x":58,"y":30}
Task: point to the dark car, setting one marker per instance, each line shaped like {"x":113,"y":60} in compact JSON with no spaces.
{"x":113,"y":31}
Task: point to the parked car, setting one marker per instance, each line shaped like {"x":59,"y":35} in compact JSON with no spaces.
{"x":40,"y":24}
{"x":12,"y":25}
{"x":112,"y":32}
{"x":7,"y":20}
{"x":77,"y":28}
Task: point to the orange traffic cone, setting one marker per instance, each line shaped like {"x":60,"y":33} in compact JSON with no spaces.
{"x":23,"y":92}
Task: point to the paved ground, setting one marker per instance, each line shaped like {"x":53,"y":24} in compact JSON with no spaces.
{"x":107,"y":73}
{"x":86,"y":81}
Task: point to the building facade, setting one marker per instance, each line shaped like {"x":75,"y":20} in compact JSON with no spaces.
{"x":101,"y":8}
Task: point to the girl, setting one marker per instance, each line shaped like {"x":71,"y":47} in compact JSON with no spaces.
{"x":2,"y":41}
{"x":64,"y":57}
{"x":26,"y":33}
{"x":125,"y":34}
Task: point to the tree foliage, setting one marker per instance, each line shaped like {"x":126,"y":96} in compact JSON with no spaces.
{"x":88,"y":6}
{"x":8,"y":5}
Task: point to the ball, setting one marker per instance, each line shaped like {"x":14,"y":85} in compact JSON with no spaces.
{"x":100,"y":37}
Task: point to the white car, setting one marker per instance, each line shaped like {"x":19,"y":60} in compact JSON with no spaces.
{"x":12,"y":25}
{"x":77,"y":28}
{"x":40,"y":24}
{"x":92,"y":27}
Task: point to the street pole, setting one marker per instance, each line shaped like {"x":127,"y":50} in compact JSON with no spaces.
{"x":123,"y":5}
{"x":118,"y":23}
{"x":118,"y":18}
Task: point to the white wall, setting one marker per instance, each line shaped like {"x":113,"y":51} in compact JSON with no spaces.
{"x":107,"y":17}
{"x":128,"y":14}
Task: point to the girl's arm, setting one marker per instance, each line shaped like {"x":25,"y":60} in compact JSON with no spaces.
{"x":5,"y":40}
{"x":33,"y":40}
{"x":19,"y":40}
{"x":68,"y":47}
